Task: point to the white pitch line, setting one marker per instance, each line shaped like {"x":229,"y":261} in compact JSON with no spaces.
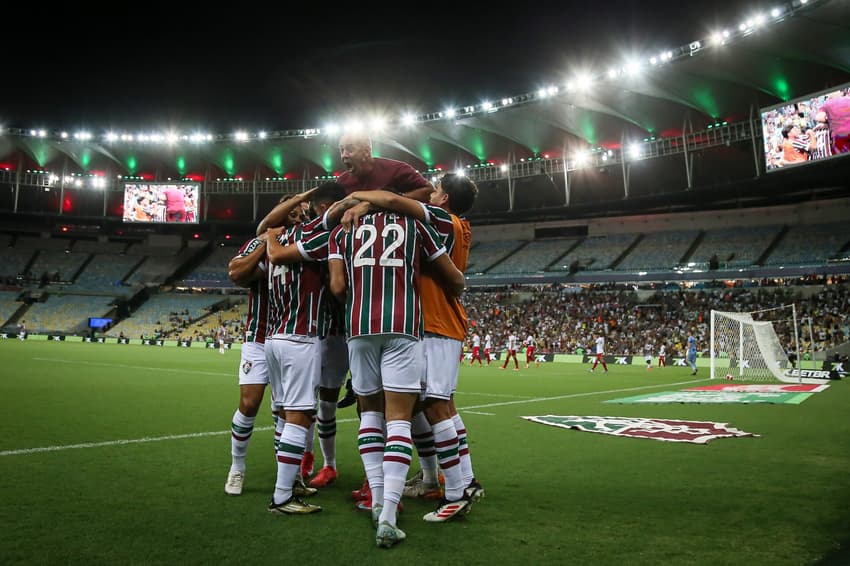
{"x":24,"y":451}
{"x":477,"y":413}
{"x":495,"y":395}
{"x":127,"y":366}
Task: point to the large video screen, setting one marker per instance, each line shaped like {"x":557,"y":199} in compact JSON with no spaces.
{"x":161,"y":202}
{"x":812,"y":128}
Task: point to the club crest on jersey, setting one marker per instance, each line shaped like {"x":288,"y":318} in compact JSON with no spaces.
{"x":246,"y":367}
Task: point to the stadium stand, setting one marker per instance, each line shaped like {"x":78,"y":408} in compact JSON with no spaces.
{"x":9,"y":304}
{"x":536,"y":256}
{"x":64,"y":264}
{"x":105,"y":272}
{"x":659,"y":250}
{"x":213,"y":269}
{"x":596,"y":252}
{"x":164,"y":313}
{"x":66,"y":313}
{"x":487,"y":254}
{"x":739,"y":247}
{"x":811,"y":244}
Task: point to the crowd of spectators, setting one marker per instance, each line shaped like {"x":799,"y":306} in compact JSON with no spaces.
{"x":567,"y":319}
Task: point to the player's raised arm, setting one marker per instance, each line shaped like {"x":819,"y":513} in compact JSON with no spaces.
{"x":277,"y":216}
{"x":278,"y":253}
{"x":391,"y":201}
{"x":245,"y":267}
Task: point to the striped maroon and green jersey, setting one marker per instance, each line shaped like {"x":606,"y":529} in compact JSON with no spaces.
{"x":382,"y":257}
{"x":314,"y":247}
{"x":441,"y":221}
{"x":258,"y":298}
{"x":296,"y":290}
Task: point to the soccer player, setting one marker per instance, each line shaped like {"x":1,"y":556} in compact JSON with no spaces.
{"x":647,"y":352}
{"x":443,"y":433}
{"x":600,"y":354}
{"x":22,"y":330}
{"x":510,"y":350}
{"x":488,"y":345}
{"x":248,"y":269}
{"x":334,"y":352}
{"x":375,"y":268}
{"x":476,"y":349}
{"x":529,"y":351}
{"x":691,"y":356}
{"x":662,"y":356}
{"x":293,"y":353}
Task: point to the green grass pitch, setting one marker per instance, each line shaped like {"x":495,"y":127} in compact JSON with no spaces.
{"x":553,"y":496}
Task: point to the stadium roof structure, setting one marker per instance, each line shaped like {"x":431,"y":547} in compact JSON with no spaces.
{"x":681,"y":131}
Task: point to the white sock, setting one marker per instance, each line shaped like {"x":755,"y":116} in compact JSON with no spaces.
{"x":370,"y":442}
{"x":446,"y":442}
{"x":463,"y":450}
{"x":241,"y":429}
{"x":423,"y":437}
{"x":397,"y":456}
{"x":289,"y":454}
{"x":326,"y":424}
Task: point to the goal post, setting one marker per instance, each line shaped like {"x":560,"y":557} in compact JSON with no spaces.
{"x":746,"y":345}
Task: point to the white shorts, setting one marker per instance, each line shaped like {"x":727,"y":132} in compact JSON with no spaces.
{"x":334,"y":362}
{"x":386,"y":361}
{"x":442,"y":363}
{"x":253,"y":369}
{"x":294,"y":369}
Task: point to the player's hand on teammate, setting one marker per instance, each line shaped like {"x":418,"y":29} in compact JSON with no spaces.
{"x":353,"y":214}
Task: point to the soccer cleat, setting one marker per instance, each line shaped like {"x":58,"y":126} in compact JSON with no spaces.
{"x":362,"y":492}
{"x":590,"y":370}
{"x":388,"y":535}
{"x":448,"y":510}
{"x":349,"y":399}
{"x":416,"y":487}
{"x":235,"y":478}
{"x":324,"y":478}
{"x":376,"y":514}
{"x":293,"y":506}
{"x":307,"y":464}
{"x":605,"y":371}
{"x":474,"y":491}
{"x":516,"y":369}
{"x":300,"y":489}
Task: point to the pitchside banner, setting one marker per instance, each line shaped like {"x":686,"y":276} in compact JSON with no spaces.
{"x":98,"y":340}
{"x":214,"y":345}
{"x":782,"y":398}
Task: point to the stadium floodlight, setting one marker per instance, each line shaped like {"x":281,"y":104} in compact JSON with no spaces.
{"x":240,"y":136}
{"x":632,"y":67}
{"x":634,"y":151}
{"x":460,"y":172}
{"x":759,"y":20}
{"x":507,"y":101}
{"x":262,"y":135}
{"x":504,"y":168}
{"x":110,"y":136}
{"x":78,"y":182}
{"x":354,"y":126}
{"x":408,"y":120}
{"x":377,"y":124}
{"x":209,"y":137}
{"x":613,"y":73}
{"x":64,"y":135}
{"x":42,"y":134}
{"x":581,"y":158}
{"x":542,"y":93}
{"x":451,"y":112}
{"x":583,"y":81}
{"x":486,"y":105}
{"x":653,"y":60}
{"x":775,"y":13}
{"x":553,"y":90}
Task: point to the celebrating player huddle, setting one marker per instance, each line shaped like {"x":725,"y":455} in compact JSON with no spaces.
{"x":396,"y":266}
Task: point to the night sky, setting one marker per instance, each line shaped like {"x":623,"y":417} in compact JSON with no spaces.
{"x":225,"y":69}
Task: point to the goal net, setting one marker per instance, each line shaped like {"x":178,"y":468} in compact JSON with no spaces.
{"x":747,"y":346}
